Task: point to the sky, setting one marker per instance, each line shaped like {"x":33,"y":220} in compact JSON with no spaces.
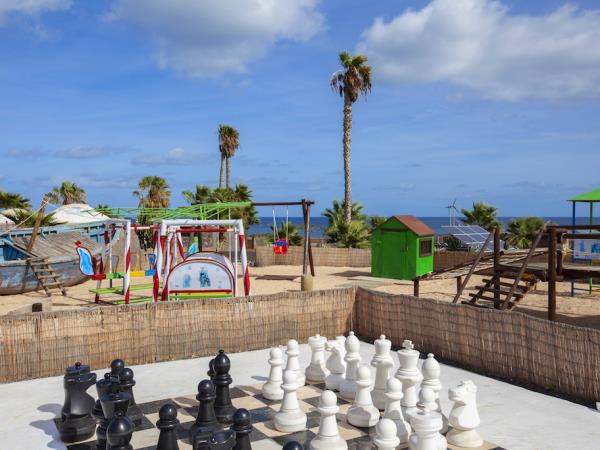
{"x":472,"y":100}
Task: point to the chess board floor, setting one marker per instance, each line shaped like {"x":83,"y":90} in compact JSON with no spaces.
{"x":264,"y":436}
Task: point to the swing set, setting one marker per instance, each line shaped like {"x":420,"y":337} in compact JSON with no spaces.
{"x":280,"y":246}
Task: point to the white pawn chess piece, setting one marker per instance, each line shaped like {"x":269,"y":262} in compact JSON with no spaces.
{"x":290,"y":418}
{"x":293,"y":362}
{"x":409,"y":375}
{"x":316,"y":370}
{"x":431,"y":379}
{"x":427,"y":425}
{"x":464,"y":417}
{"x":336,"y":366}
{"x":352,"y":358}
{"x":328,"y":437}
{"x":385,"y":435}
{"x":383,"y":363}
{"x":362,"y":413}
{"x":393,"y":411}
{"x":271,"y":390}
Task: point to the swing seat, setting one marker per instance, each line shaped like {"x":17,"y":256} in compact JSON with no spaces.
{"x":280,"y":247}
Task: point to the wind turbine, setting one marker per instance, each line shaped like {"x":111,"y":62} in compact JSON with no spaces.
{"x":452,"y":210}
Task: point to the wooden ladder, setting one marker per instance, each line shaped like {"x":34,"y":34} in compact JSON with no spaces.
{"x":46,"y":274}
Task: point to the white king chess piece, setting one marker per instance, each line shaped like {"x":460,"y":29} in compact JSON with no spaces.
{"x":328,"y":437}
{"x":362,"y":413}
{"x":409,"y":375}
{"x":431,"y":379}
{"x":293,"y":363}
{"x":393,"y":411}
{"x":336,"y":366}
{"x":271,"y":390}
{"x":464,"y":418}
{"x":352,"y":358}
{"x":290,"y":418}
{"x":383,"y":363}
{"x":427,"y":425}
{"x":385,"y":437}
{"x":316,"y":371}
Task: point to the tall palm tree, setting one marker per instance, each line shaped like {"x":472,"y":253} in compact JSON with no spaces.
{"x":483,"y":215}
{"x":353,"y":79}
{"x":229,"y":142}
{"x":523,"y":230}
{"x":13,"y":200}
{"x":153,"y":192}
{"x":67,"y":193}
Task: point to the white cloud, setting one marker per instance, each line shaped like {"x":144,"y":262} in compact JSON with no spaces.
{"x":174,"y":157}
{"x":31,"y":7}
{"x":478,"y":44}
{"x":211,"y":37}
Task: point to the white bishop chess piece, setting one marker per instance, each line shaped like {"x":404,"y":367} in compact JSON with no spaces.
{"x":328,"y":437}
{"x":385,"y":437}
{"x":352,"y":358}
{"x":464,"y":418}
{"x":393,"y":411}
{"x":271,"y":390}
{"x":408,"y":373}
{"x":293,"y":362}
{"x":431,"y":379}
{"x":316,"y":370}
{"x":335,"y":364}
{"x":362,"y":413}
{"x":383,"y":363}
{"x":427,"y":425}
{"x":290,"y":418}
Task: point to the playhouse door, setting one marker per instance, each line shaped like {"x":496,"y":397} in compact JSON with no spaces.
{"x":394,"y":255}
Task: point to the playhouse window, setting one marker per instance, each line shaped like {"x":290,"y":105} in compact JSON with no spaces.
{"x":425,"y":247}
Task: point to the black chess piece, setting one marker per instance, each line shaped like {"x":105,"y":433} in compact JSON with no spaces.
{"x":112,"y":401}
{"x":115,"y":368}
{"x":292,"y":445}
{"x":77,"y":422}
{"x":242,"y":425}
{"x":102,"y":387}
{"x":211,"y":369}
{"x":126,"y":383}
{"x":217,"y":440}
{"x":167,"y":424}
{"x":224,"y":409}
{"x":206,"y":420}
{"x":119,"y":432}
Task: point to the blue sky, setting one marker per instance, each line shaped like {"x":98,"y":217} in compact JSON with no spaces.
{"x":472,"y":99}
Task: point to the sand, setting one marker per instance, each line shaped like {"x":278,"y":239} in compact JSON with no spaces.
{"x":582,"y":310}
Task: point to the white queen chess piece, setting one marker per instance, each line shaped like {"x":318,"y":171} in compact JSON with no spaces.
{"x":383,"y":363}
{"x":431,"y":379}
{"x":362,"y":413}
{"x":427,"y":425}
{"x":316,"y":371}
{"x":293,"y":362}
{"x":385,"y":437}
{"x":336,"y":366}
{"x":409,"y":375}
{"x":464,"y":418}
{"x":352,"y":358}
{"x":328,"y":437}
{"x":290,"y":417}
{"x":393,"y":411}
{"x":271,"y":390}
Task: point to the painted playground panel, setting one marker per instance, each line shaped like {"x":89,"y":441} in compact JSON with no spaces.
{"x":202,"y":277}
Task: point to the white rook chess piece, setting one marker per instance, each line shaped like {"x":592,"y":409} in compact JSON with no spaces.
{"x":427,"y":425}
{"x":385,"y":435}
{"x":316,"y":370}
{"x":431,"y":379}
{"x":336,"y":366}
{"x":464,"y":417}
{"x":290,"y":417}
{"x":383,"y":363}
{"x":293,"y":363}
{"x":352,"y":358}
{"x":329,"y":435}
{"x":272,"y":388}
{"x":362,"y":413}
{"x":393,"y":411}
{"x":409,"y":375}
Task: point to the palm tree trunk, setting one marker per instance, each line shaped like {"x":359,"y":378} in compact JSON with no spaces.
{"x":222,"y":172}
{"x":228,"y":165}
{"x":346,"y":142}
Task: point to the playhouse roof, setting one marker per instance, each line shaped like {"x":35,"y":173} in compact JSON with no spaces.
{"x":415,"y":225}
{"x":592,"y":196}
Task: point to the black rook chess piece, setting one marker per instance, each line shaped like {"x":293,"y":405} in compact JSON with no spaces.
{"x":112,"y":402}
{"x":218,"y":440}
{"x":223,"y":407}
{"x":242,"y":425}
{"x":115,"y":368}
{"x":126,"y":382}
{"x":77,"y":422}
{"x":119,"y":432}
{"x":206,"y":421}
{"x":292,"y":445}
{"x":167,"y":424}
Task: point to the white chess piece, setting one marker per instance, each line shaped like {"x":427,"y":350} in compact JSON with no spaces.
{"x":316,"y":370}
{"x":393,"y":411}
{"x":427,"y":425}
{"x":293,"y":362}
{"x":272,"y":388}
{"x":409,"y":375}
{"x":328,"y":437}
{"x":290,"y":417}
{"x":362,"y":413}
{"x":385,"y":437}
{"x":352,"y":358}
{"x":383,"y":363}
{"x":464,"y":417}
{"x":431,"y":379}
{"x":336,"y":366}
{"x":341,"y":341}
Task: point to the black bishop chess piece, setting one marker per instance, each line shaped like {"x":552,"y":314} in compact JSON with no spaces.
{"x":126,"y":382}
{"x":242,"y":425}
{"x":113,"y":401}
{"x":167,"y":424}
{"x":206,"y":420}
{"x":77,"y":422}
{"x":115,"y":368}
{"x":217,"y":440}
{"x":119,"y":432}
{"x":292,"y":445}
{"x":224,"y":409}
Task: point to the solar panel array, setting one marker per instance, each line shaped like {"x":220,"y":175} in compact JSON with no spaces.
{"x":472,"y":236}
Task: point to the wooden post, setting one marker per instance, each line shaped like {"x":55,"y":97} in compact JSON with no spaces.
{"x":496,"y":265}
{"x":36,"y":226}
{"x":552,"y":273}
{"x":458,"y":283}
{"x":416,"y":287}
{"x":559,"y":254}
{"x":306,"y":238}
{"x":310,"y":253}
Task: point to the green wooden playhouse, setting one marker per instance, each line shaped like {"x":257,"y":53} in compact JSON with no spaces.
{"x":402,"y":248}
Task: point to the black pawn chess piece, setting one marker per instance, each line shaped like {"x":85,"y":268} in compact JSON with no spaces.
{"x":77,"y":422}
{"x":113,"y":401}
{"x":206,"y":420}
{"x":242,"y":425}
{"x":167,"y":424}
{"x":224,"y":409}
{"x":218,"y":440}
{"x":119,"y":432}
{"x":292,"y":445}
{"x":115,"y":368}
{"x":211,"y":369}
{"x":126,"y":382}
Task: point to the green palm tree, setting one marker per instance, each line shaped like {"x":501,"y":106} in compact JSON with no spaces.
{"x":376,"y":221}
{"x":153,"y":192}
{"x":25,"y":219}
{"x":483,"y":215}
{"x":356,"y":234}
{"x":337,"y":212}
{"x":67,"y":193}
{"x":229,"y":142}
{"x":522,"y":231}
{"x":10,"y":200}
{"x":353,"y":79}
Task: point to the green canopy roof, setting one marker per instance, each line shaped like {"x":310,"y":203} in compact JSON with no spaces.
{"x":592,"y":196}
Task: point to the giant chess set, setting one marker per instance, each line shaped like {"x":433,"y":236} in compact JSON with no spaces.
{"x":331,"y":405}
